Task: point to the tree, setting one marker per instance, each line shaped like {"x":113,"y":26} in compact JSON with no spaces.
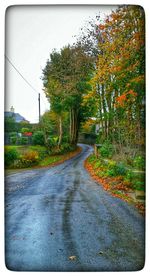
{"x":118,"y":82}
{"x":65,"y":80}
{"x":10,"y":125}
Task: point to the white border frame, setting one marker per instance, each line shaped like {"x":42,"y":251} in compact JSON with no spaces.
{"x":3,"y":6}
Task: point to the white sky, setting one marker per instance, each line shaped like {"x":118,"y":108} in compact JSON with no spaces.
{"x":32,"y":32}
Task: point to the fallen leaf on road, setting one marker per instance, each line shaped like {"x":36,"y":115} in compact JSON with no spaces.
{"x":100,"y":252}
{"x":72,"y":258}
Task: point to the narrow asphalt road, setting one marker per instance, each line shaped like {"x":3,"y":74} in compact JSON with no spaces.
{"x":52,"y":214}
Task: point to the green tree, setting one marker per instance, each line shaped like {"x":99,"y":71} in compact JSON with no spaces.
{"x":65,"y":80}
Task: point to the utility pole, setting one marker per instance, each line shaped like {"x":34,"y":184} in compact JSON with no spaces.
{"x":39,"y":107}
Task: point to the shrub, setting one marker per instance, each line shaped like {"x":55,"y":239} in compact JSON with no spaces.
{"x":111,"y":164}
{"x":139,"y":162}
{"x":11,"y":155}
{"x":13,"y":137}
{"x":13,"y":134}
{"x":139,"y":185}
{"x":111,"y":172}
{"x":107,"y":150}
{"x":28,"y":159}
{"x":23,"y":140}
{"x":53,"y":141}
{"x":97,"y":164}
{"x":65,"y":147}
{"x":115,"y":169}
{"x":92,"y":158}
{"x":13,"y":140}
{"x":24,"y":129}
{"x":38,"y":138}
{"x":65,"y":139}
{"x":129,"y":176}
{"x":120,"y":169}
{"x":41,"y":150}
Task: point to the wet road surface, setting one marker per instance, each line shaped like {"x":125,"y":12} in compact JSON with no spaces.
{"x":53,"y":214}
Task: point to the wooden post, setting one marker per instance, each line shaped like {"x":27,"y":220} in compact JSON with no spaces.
{"x":95,"y":150}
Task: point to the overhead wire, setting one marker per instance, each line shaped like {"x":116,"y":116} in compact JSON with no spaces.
{"x":21,"y":75}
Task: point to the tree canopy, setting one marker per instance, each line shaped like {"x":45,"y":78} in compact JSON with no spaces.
{"x":102,"y":76}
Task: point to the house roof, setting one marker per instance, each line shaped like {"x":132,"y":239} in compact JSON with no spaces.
{"x":17,"y":117}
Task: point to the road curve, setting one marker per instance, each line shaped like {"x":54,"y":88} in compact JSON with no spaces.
{"x":59,"y":219}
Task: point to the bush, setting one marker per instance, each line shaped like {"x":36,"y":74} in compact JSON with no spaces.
{"x":23,"y":140}
{"x":65,"y":139}
{"x":38,"y":138}
{"x":139,"y":162}
{"x":107,"y":150}
{"x":120,"y":169}
{"x":97,"y":164}
{"x":13,"y":134}
{"x":92,"y":158}
{"x":11,"y":155}
{"x":129,"y":176}
{"x":13,"y":137}
{"x":24,"y":129}
{"x":66,"y":147}
{"x":28,"y":159}
{"x":139,"y":185}
{"x":115,"y":169}
{"x":13,"y":140}
{"x":41,"y":150}
{"x":53,"y":141}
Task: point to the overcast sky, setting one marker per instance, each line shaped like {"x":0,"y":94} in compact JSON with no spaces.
{"x":32,"y":32}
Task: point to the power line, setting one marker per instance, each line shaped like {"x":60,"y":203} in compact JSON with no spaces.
{"x":27,"y":83}
{"x":20,"y":74}
{"x":25,"y":79}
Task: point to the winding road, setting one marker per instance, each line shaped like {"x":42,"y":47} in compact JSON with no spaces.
{"x":59,"y":219}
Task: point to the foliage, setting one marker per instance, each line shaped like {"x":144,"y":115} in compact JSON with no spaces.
{"x":106,"y":150}
{"x":24,"y":130}
{"x":121,"y":169}
{"x":65,"y":80}
{"x":129,"y":176}
{"x":53,"y":141}
{"x":10,"y":125}
{"x":13,"y":140}
{"x":139,"y":162}
{"x":118,"y":84}
{"x":28,"y":159}
{"x":23,"y":140}
{"x":115,"y":179}
{"x":13,"y":134}
{"x":66,"y":147}
{"x":139,"y":185}
{"x":49,"y":160}
{"x":11,"y":154}
{"x":38,"y":138}
{"x":139,"y":181}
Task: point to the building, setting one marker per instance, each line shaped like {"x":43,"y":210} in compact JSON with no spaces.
{"x":16,"y":116}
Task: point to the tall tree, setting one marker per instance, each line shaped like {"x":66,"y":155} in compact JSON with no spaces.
{"x":65,"y":80}
{"x":118,"y":82}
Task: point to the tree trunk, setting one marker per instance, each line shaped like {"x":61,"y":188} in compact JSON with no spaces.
{"x":74,"y":126}
{"x":104,"y":111}
{"x":60,"y":131}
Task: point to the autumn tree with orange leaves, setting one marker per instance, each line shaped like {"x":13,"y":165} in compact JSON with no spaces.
{"x":119,"y":82}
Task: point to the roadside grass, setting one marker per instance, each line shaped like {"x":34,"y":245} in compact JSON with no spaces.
{"x":45,"y":160}
{"x":49,"y":160}
{"x":116,"y":180}
{"x":57,"y":159}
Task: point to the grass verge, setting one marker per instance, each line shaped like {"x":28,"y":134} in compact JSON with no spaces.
{"x":48,"y":161}
{"x":116,"y":186}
